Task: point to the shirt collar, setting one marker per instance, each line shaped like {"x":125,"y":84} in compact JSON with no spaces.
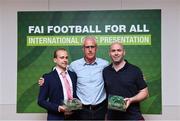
{"x":59,"y":71}
{"x":94,"y":63}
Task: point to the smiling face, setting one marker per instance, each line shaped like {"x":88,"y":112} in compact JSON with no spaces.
{"x":61,"y":59}
{"x":117,"y":53}
{"x":89,"y":49}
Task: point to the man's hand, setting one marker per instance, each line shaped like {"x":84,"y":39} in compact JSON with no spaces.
{"x":128,"y":102}
{"x":41,"y":81}
{"x":142,"y":94}
{"x":64,"y":109}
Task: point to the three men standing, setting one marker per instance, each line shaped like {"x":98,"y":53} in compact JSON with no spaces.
{"x":95,"y":78}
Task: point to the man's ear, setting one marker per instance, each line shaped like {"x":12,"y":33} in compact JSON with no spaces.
{"x":96,"y":48}
{"x":124,"y":52}
{"x":83,"y":48}
{"x":55,"y":60}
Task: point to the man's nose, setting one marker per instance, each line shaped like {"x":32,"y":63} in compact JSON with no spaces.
{"x":90,"y":48}
{"x":116,"y":52}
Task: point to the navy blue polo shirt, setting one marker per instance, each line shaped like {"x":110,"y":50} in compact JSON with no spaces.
{"x":126,"y":82}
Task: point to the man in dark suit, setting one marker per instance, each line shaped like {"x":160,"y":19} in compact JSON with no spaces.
{"x":59,"y":85}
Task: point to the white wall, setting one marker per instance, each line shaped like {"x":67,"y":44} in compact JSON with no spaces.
{"x":170,"y":48}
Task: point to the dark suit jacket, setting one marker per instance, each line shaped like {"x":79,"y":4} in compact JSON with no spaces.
{"x":51,"y":94}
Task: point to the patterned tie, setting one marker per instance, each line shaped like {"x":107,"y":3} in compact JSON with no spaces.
{"x":67,"y":85}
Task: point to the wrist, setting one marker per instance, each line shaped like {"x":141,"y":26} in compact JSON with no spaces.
{"x":60,"y":109}
{"x":132,"y":100}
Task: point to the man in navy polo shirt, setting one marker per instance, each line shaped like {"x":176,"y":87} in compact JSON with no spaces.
{"x":126,"y":80}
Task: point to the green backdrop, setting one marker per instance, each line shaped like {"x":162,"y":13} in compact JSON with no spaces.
{"x":141,"y":36}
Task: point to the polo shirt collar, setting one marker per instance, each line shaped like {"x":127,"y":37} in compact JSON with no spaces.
{"x":123,"y":68}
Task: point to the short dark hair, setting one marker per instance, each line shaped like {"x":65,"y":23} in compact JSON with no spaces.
{"x":55,"y":52}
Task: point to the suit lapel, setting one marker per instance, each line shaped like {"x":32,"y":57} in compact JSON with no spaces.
{"x":58,"y":81}
{"x":72,"y":78}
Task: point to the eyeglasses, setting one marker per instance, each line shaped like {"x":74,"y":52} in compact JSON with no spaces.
{"x":87,"y":47}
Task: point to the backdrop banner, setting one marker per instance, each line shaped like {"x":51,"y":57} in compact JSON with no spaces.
{"x":40,"y":33}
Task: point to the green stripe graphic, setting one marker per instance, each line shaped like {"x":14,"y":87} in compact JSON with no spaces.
{"x":77,"y":40}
